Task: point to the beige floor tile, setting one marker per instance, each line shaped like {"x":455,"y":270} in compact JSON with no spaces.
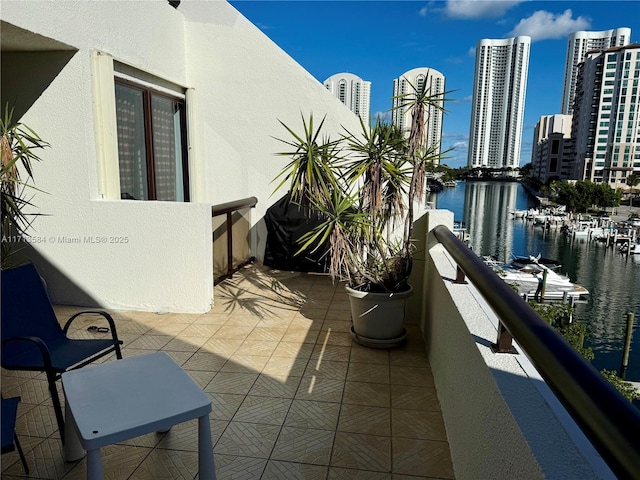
{"x":409,"y":358}
{"x":118,"y":461}
{"x":337,"y":473}
{"x":310,"y":414}
{"x":367,"y":420}
{"x":335,"y":337}
{"x":415,"y":376}
{"x":45,"y":460}
{"x":335,"y":370}
{"x":426,"y":456}
{"x":281,"y":386}
{"x":232,"y":332}
{"x":331,"y":353}
{"x":414,"y":398}
{"x":366,"y":452}
{"x":205,"y":361}
{"x":259,"y":348}
{"x":305,"y":445}
{"x":248,"y":440}
{"x":371,"y":394}
{"x":185,"y":344}
{"x":234,"y":467}
{"x":150,"y":342}
{"x":368,"y":372}
{"x":225,"y":405}
{"x":202,"y":378}
{"x":39,"y":421}
{"x":180,"y":357}
{"x":225,"y":347}
{"x":268,"y":334}
{"x":418,"y":424}
{"x":245,"y":364}
{"x":167,"y":464}
{"x":200,"y":330}
{"x":287,"y":348}
{"x":319,"y":388}
{"x":300,"y":335}
{"x":360,"y":354}
{"x":31,"y":391}
{"x":285,"y":366}
{"x":267,"y":410}
{"x":231,"y":382}
{"x":277,"y":470}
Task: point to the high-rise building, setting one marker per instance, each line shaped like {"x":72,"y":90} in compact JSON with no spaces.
{"x":497,"y":110}
{"x":552,"y":155}
{"x":351,"y":90}
{"x":605,"y":128}
{"x":403,"y":90}
{"x":579,"y":44}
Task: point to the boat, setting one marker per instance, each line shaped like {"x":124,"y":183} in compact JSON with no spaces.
{"x":518,"y":213}
{"x":450,"y":183}
{"x":631,"y":249}
{"x":526,"y":260}
{"x":529,"y":277}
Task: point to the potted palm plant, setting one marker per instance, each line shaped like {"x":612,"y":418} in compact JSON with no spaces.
{"x":18,"y":145}
{"x":363,"y":187}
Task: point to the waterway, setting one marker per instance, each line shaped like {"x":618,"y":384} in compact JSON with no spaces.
{"x":612,"y":279}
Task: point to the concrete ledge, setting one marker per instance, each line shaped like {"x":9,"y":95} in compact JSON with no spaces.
{"x":502,"y":420}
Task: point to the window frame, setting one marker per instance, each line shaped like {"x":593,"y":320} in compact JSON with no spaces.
{"x":147,"y":94}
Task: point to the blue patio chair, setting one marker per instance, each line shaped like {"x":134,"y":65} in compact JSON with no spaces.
{"x":33,"y":340}
{"x":9,"y":438}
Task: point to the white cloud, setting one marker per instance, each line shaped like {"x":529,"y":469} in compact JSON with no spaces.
{"x":478,"y":8}
{"x":543,"y":25}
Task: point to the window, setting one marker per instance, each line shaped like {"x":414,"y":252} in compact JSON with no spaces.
{"x":152,"y":151}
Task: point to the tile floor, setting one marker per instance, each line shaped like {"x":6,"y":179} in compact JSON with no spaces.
{"x":293,"y":396}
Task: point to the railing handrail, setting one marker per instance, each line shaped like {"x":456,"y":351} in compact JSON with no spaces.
{"x":610,"y":421}
{"x":229,"y":207}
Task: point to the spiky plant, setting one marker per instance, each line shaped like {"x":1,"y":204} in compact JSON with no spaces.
{"x":18,"y":144}
{"x":363,"y":187}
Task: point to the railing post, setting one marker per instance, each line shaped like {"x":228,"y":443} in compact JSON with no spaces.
{"x":504,"y":343}
{"x":229,"y":245}
{"x":460,"y":276}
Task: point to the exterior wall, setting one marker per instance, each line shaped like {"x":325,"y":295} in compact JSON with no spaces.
{"x":502,"y":420}
{"x":497,"y":109}
{"x":552,"y":148}
{"x":354,"y":92}
{"x":605,"y":132}
{"x":578,"y":45}
{"x":167,"y":263}
{"x":435,"y":85}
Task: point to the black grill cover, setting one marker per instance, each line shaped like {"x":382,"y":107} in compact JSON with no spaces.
{"x":286,"y":223}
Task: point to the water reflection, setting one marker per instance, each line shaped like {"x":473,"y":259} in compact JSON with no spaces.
{"x":613,"y":279}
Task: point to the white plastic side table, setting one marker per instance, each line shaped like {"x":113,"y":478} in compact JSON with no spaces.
{"x":111,"y":402}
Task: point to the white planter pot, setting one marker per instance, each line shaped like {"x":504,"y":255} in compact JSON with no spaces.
{"x":378,"y":318}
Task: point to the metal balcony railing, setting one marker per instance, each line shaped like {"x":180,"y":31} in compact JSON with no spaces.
{"x":609,"y":420}
{"x":228,"y":209}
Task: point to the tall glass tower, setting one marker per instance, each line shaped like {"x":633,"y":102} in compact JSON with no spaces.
{"x":579,"y":44}
{"x":497,"y":110}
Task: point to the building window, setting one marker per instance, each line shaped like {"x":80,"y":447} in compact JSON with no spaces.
{"x":152,"y":151}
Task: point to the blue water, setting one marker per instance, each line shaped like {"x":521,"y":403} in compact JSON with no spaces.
{"x":613,"y":279}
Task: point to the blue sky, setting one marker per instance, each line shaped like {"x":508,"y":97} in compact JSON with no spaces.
{"x":380,"y":40}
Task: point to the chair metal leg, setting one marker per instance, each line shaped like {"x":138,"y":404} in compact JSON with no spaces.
{"x":57,"y":407}
{"x":21,"y":453}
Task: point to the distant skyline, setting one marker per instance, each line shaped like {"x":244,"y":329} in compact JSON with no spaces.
{"x":379,"y":40}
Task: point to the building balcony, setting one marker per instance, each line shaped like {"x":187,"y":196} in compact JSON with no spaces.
{"x":295,"y":397}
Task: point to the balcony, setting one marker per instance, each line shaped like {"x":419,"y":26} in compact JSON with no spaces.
{"x":294,"y":397}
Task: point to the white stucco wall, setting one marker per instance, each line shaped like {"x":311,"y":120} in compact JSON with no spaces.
{"x":239,"y":84}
